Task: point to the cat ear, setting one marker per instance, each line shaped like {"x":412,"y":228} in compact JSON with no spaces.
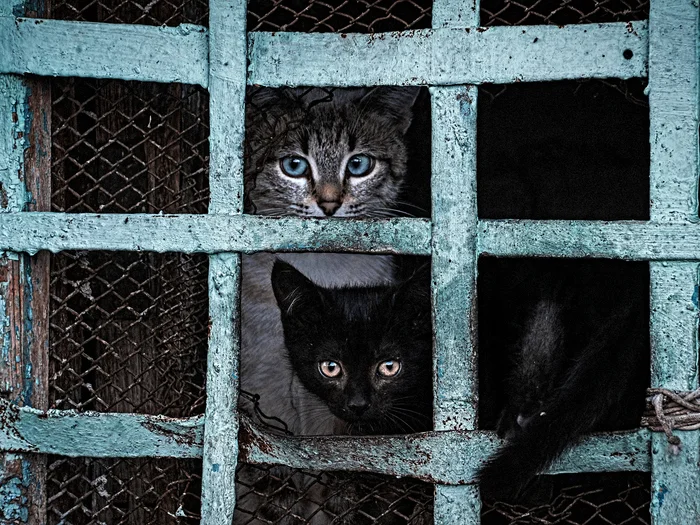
{"x":295,"y":293}
{"x":411,"y":299}
{"x":395,"y":102}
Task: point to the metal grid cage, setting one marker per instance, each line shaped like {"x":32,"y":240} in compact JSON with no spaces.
{"x":128,"y":331}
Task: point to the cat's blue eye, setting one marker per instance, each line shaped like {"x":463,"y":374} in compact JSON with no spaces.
{"x":360,"y":165}
{"x":294,"y":166}
{"x":330,"y":369}
{"x":389,"y":368}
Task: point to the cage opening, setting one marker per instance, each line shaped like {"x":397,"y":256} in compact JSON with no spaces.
{"x":563,"y":150}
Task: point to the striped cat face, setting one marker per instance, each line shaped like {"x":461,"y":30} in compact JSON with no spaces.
{"x":322,"y":153}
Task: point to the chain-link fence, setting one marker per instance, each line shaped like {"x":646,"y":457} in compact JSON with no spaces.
{"x":129,"y":330}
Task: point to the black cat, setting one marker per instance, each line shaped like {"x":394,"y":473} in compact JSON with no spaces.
{"x":577,"y":347}
{"x":366,"y":351}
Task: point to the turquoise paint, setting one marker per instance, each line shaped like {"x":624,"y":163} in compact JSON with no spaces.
{"x":661,"y":494}
{"x":696,"y":292}
{"x":13,"y":501}
{"x":227,"y":86}
{"x":426,"y":57}
{"x":450,"y":56}
{"x":84,"y":49}
{"x":214,"y":233}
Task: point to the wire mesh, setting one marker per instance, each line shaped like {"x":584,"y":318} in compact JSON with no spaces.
{"x":273,"y":494}
{"x":128,"y":331}
{"x":361,"y":16}
{"x":89,"y":491}
{"x":613,"y":498}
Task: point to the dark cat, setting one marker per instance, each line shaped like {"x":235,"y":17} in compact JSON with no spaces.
{"x":579,"y":353}
{"x":365,"y":352}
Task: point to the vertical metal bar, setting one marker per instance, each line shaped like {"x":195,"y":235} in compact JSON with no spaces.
{"x":227,"y":81}
{"x":24,"y":165}
{"x":674,"y":94}
{"x":454,"y":263}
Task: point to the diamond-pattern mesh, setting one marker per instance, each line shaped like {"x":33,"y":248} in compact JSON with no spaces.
{"x":580,"y":499}
{"x":89,"y":491}
{"x":129,"y":330}
{"x":344,"y":16}
{"x":269,"y":494}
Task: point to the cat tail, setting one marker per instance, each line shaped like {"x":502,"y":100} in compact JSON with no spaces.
{"x":579,"y":404}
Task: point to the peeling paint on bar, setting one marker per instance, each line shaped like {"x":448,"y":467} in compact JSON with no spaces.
{"x":446,"y":56}
{"x":122,"y":51}
{"x":34,"y":231}
{"x":31,"y":232}
{"x":454,"y":257}
{"x":449,"y":56}
{"x":227,"y":87}
{"x":454,"y":265}
{"x":448,"y":457}
{"x":94,"y":434}
{"x":674,"y":114}
{"x":615,"y":240}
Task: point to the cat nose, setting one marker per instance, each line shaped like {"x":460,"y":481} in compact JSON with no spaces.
{"x":329,"y":207}
{"x":358,"y":405}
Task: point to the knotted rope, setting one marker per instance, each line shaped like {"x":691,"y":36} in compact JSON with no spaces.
{"x":668,"y":410}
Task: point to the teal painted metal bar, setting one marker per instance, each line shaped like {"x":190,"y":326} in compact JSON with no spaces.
{"x":674,"y":337}
{"x":31,"y":232}
{"x":449,"y":56}
{"x":93,"y":434}
{"x":34,"y":231}
{"x":454,"y":263}
{"x":449,"y":457}
{"x":123,"y":51}
{"x":227,"y":85}
{"x":445,"y":56}
{"x":674,"y":111}
{"x":454,"y":257}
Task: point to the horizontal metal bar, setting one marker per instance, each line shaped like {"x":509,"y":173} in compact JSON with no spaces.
{"x":429,"y":56}
{"x":614,"y":240}
{"x":34,"y":231}
{"x":92,"y":434}
{"x":123,"y":51}
{"x":449,"y":56}
{"x":449,"y":457}
{"x":31,"y":232}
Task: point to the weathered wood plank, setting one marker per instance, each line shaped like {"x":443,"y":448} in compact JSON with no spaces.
{"x":31,"y":232}
{"x":445,"y":56}
{"x":24,"y":168}
{"x":449,"y":56}
{"x":449,"y":457}
{"x":97,"y":50}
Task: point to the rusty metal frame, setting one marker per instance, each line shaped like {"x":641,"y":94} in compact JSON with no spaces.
{"x":665,"y":48}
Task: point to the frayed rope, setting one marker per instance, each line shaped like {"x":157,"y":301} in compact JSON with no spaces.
{"x":668,"y":410}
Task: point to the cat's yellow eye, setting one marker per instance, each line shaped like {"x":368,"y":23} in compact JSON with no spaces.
{"x":330,"y":369}
{"x":389,"y":368}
